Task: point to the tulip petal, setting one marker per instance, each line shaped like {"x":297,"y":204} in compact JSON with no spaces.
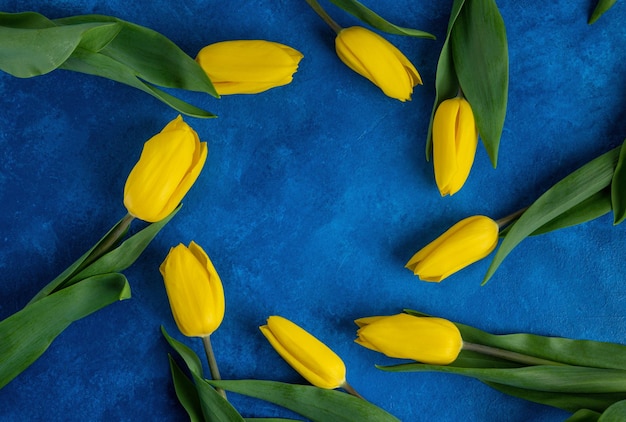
{"x":444,"y":144}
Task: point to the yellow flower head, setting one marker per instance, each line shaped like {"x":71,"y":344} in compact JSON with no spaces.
{"x":169,"y":165}
{"x":454,"y":144}
{"x":248,"y":66}
{"x":464,"y":243}
{"x":375,"y":58}
{"x":194,"y":290}
{"x":306,"y":354}
{"x":428,"y":340}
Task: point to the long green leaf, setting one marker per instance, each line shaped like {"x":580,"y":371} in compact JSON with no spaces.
{"x":446,"y":81}
{"x":215,"y":407}
{"x":571,"y":402}
{"x":25,"y":335}
{"x":124,"y":255}
{"x":152,"y":56}
{"x":316,"y":404}
{"x":368,"y":16}
{"x":615,"y":413}
{"x":480,"y":54}
{"x":32,"y":45}
{"x":189,"y":356}
{"x":564,"y":195}
{"x":601,"y":7}
{"x":572,"y":352}
{"x":186,"y":392}
{"x":558,"y":379}
{"x":618,"y":188}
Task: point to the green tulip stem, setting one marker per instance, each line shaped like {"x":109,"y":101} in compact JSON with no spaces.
{"x":349,"y":389}
{"x":505,"y":221}
{"x":325,"y":16}
{"x":210,"y":356}
{"x":509,"y":355}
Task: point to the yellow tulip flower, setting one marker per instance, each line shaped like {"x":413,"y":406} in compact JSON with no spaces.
{"x":315,"y":361}
{"x":169,"y":165}
{"x":194,"y":290}
{"x":428,"y":340}
{"x":375,"y":58}
{"x":455,"y":139}
{"x":248,"y":66}
{"x":466,"y":242}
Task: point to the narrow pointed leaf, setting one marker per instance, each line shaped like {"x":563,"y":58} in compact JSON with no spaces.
{"x":559,"y":379}
{"x":25,"y":335}
{"x":189,"y":356}
{"x":215,"y":407}
{"x":186,"y":392}
{"x":571,"y":402}
{"x":563,"y":196}
{"x":480,"y":54}
{"x":316,"y":404}
{"x":600,"y":9}
{"x":618,"y":188}
{"x":366,"y":15}
{"x":446,"y":81}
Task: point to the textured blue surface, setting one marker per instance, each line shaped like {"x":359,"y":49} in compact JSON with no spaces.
{"x":313,"y":198}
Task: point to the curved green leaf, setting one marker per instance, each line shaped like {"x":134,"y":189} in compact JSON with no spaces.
{"x":601,"y":7}
{"x":32,"y":45}
{"x":584,"y":415}
{"x":189,"y":356}
{"x":618,"y":188}
{"x":186,"y":392}
{"x":366,"y":15}
{"x":446,"y":81}
{"x":563,"y":196}
{"x":615,"y":413}
{"x":571,"y":402}
{"x":557,"y":379}
{"x":215,"y":407}
{"x":480,"y":54}
{"x":316,"y":404}
{"x":25,"y":335}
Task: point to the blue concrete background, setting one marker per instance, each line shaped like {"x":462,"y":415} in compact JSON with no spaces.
{"x":313,"y":198}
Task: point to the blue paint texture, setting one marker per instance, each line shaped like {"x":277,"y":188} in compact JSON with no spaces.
{"x":313,"y":198}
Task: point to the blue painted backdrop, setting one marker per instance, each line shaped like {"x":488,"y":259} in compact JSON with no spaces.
{"x":313,"y":198}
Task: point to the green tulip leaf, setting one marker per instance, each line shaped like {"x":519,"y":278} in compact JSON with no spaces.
{"x":271,"y":420}
{"x":587,"y":353}
{"x":584,"y":415}
{"x":32,"y":45}
{"x":615,"y":412}
{"x":601,"y":7}
{"x":189,"y":356}
{"x":591,"y":208}
{"x":124,"y":255}
{"x":572,"y":402}
{"x":618,"y":188}
{"x":446,"y":81}
{"x":563,"y":196}
{"x":366,"y":15}
{"x":557,"y":379}
{"x":29,"y":332}
{"x":480,"y":55}
{"x":316,"y":404}
{"x":150,"y":55}
{"x":215,"y":407}
{"x":108,"y":241}
{"x":186,"y":392}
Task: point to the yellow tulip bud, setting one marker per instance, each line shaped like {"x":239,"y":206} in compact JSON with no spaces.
{"x":454,"y":144}
{"x":306,"y":354}
{"x":464,"y":243}
{"x":169,"y":165}
{"x":248,"y":66}
{"x":428,"y":340}
{"x":194,"y":290}
{"x":375,"y":58}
